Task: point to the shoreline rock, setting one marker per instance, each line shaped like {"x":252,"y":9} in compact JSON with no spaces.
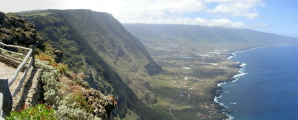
{"x":217,"y":91}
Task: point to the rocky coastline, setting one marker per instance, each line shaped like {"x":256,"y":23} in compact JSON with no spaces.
{"x":217,"y":91}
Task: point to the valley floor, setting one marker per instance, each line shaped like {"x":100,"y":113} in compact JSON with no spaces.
{"x":188,"y":83}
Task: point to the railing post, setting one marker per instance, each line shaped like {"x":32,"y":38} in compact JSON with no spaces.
{"x":7,"y":98}
{"x":32,"y":55}
{"x":1,"y":105}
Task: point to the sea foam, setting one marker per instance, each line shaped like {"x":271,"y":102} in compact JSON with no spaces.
{"x":234,"y":53}
{"x":241,"y":74}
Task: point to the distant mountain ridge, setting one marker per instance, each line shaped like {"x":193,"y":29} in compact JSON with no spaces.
{"x":206,"y":37}
{"x":114,"y":60}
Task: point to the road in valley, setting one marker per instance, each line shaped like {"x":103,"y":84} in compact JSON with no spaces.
{"x":178,"y":96}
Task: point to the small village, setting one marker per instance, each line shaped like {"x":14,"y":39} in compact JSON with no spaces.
{"x":188,"y":96}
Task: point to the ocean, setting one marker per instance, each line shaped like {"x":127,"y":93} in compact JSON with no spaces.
{"x":267,"y":88}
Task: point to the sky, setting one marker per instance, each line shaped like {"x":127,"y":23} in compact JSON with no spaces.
{"x":270,"y":16}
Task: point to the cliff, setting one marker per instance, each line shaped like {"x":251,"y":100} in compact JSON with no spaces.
{"x":113,"y":60}
{"x":44,"y":83}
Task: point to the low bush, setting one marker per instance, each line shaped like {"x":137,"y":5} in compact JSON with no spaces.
{"x":74,"y":107}
{"x":66,"y":107}
{"x":50,"y":79}
{"x":81,"y":102}
{"x":45,"y":57}
{"x":63,"y":69}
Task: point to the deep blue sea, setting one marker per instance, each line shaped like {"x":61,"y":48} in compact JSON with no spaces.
{"x":267,"y":89}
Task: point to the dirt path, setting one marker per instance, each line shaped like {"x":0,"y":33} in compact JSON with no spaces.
{"x":7,"y":71}
{"x":173,"y":105}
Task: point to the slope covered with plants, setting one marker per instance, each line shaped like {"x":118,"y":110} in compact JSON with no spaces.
{"x":113,"y":61}
{"x":64,"y":95}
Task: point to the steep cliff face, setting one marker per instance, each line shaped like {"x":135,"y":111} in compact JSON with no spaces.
{"x":115,"y":62}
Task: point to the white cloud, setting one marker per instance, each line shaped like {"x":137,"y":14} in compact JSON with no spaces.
{"x":197,"y":21}
{"x":26,"y":5}
{"x":171,"y":11}
{"x":246,"y":15}
{"x":263,"y":24}
{"x":236,"y":8}
{"x":153,"y":11}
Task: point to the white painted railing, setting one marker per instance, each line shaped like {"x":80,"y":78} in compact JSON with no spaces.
{"x":1,"y":105}
{"x":4,"y":86}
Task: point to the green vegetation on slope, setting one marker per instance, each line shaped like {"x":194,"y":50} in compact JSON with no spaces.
{"x":112,"y":59}
{"x":39,"y":112}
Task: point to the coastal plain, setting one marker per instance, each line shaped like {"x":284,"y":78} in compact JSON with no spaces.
{"x":188,"y":83}
{"x":194,"y":62}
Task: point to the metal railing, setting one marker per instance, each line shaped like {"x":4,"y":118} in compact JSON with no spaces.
{"x":5,"y":95}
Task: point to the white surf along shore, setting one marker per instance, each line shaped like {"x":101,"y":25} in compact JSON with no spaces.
{"x":235,"y":77}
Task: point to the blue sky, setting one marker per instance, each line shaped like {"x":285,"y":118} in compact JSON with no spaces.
{"x":281,"y":17}
{"x":271,"y":16}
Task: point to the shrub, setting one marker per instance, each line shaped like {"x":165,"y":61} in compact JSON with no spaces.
{"x":81,"y":102}
{"x":45,"y":57}
{"x":74,"y":107}
{"x":63,"y":69}
{"x":67,"y":107}
{"x":39,"y":112}
{"x":50,"y":79}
